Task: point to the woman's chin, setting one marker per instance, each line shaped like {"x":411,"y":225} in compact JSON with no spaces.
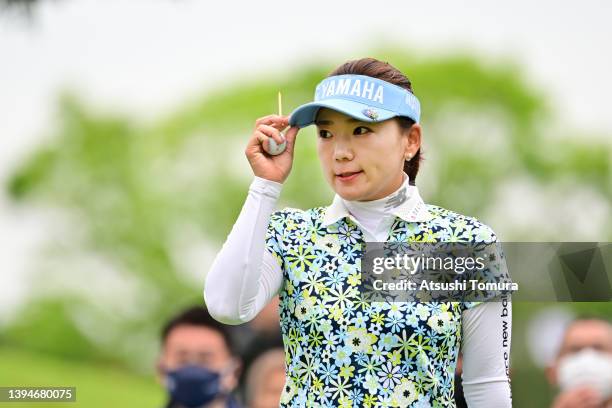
{"x":351,"y":193}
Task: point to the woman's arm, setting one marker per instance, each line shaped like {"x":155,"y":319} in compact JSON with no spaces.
{"x":487,"y":330}
{"x":244,"y":275}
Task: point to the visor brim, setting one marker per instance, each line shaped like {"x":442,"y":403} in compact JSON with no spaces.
{"x":305,"y":115}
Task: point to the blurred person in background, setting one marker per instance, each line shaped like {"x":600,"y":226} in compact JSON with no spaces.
{"x":197,"y":364}
{"x":259,"y":345}
{"x":265,"y":379}
{"x":582,"y":369}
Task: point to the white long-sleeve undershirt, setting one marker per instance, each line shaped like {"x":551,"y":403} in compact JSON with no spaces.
{"x":245,"y":276}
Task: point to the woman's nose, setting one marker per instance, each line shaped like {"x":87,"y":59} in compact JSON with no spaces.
{"x":343,"y":150}
{"x":343,"y":154}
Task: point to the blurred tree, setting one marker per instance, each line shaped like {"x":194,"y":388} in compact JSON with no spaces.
{"x":141,"y":201}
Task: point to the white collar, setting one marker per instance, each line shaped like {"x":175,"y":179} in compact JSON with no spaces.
{"x":411,"y":207}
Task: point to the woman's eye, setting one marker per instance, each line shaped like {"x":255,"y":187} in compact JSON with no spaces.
{"x":325,"y":134}
{"x":361,"y":130}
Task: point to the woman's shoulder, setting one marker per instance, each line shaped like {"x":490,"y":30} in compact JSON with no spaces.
{"x":470,"y":226}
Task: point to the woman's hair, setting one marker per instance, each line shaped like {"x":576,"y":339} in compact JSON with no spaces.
{"x":383,"y":70}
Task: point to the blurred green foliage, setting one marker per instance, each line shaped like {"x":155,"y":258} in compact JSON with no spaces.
{"x":97,"y":385}
{"x":130,"y":190}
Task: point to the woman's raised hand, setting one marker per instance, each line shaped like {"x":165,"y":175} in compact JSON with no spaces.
{"x":264,"y":165}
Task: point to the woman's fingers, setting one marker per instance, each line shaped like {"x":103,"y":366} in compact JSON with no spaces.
{"x":261,"y":138}
{"x":272,"y":132}
{"x":276,"y":121}
{"x":291,"y":135}
{"x":275,"y":165}
{"x":271,"y":126}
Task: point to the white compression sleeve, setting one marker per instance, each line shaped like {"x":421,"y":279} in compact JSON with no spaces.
{"x":245,"y":276}
{"x":486,"y":354}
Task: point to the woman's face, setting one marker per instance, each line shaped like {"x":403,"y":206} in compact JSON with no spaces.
{"x":376,"y":151}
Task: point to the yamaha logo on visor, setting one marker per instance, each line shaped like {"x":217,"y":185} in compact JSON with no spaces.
{"x":358,"y":96}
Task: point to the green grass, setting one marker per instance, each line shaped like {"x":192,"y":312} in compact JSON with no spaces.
{"x":97,"y":385}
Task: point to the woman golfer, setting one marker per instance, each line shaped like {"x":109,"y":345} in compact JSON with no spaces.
{"x":342,"y":351}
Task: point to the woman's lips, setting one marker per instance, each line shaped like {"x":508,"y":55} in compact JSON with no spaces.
{"x":349,"y":177}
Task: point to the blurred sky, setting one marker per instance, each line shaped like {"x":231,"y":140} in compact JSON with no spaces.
{"x":145,"y":57}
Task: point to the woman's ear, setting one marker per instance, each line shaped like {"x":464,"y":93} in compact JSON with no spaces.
{"x":413,"y":135}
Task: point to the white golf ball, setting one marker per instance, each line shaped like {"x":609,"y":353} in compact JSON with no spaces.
{"x":274,"y":148}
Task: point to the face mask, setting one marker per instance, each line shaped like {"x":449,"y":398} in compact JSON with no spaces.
{"x":587,"y":367}
{"x":193,"y":385}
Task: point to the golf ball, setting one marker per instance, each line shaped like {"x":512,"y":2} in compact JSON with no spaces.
{"x":274,"y":148}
